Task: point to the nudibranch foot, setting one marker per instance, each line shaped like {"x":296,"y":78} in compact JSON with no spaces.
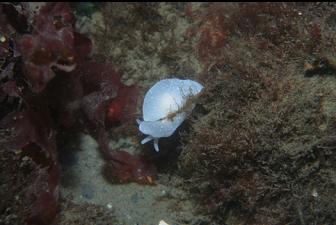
{"x":156,"y":144}
{"x":147,"y":139}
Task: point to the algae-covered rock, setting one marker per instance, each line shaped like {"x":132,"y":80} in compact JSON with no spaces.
{"x":266,"y":147}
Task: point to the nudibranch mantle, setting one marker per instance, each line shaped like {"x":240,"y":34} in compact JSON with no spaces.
{"x":164,"y":108}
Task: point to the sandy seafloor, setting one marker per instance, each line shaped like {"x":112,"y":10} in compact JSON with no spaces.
{"x":83,"y":182}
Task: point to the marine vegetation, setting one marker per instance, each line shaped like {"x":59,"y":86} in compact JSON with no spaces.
{"x":263,"y":152}
{"x":51,"y":85}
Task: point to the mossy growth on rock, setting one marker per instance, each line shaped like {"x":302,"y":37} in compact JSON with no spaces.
{"x":265,"y":151}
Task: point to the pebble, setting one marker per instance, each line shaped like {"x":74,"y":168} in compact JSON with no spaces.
{"x":109,"y":206}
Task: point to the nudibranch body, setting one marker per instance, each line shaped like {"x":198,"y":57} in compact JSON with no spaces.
{"x":165,"y":108}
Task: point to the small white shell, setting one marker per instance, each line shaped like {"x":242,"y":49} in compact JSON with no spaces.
{"x":162,"y":222}
{"x":166,"y":97}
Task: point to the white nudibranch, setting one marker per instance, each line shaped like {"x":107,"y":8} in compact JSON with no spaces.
{"x":165,"y":107}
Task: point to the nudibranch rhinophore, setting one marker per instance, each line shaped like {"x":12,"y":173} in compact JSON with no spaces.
{"x":165,"y":107}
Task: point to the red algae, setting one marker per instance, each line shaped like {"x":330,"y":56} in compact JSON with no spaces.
{"x":49,"y":84}
{"x":124,"y":167}
{"x":51,"y":43}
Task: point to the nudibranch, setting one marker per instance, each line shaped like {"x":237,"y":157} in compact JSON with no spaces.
{"x":166,"y":105}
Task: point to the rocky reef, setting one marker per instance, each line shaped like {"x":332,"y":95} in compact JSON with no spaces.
{"x":264,"y":151}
